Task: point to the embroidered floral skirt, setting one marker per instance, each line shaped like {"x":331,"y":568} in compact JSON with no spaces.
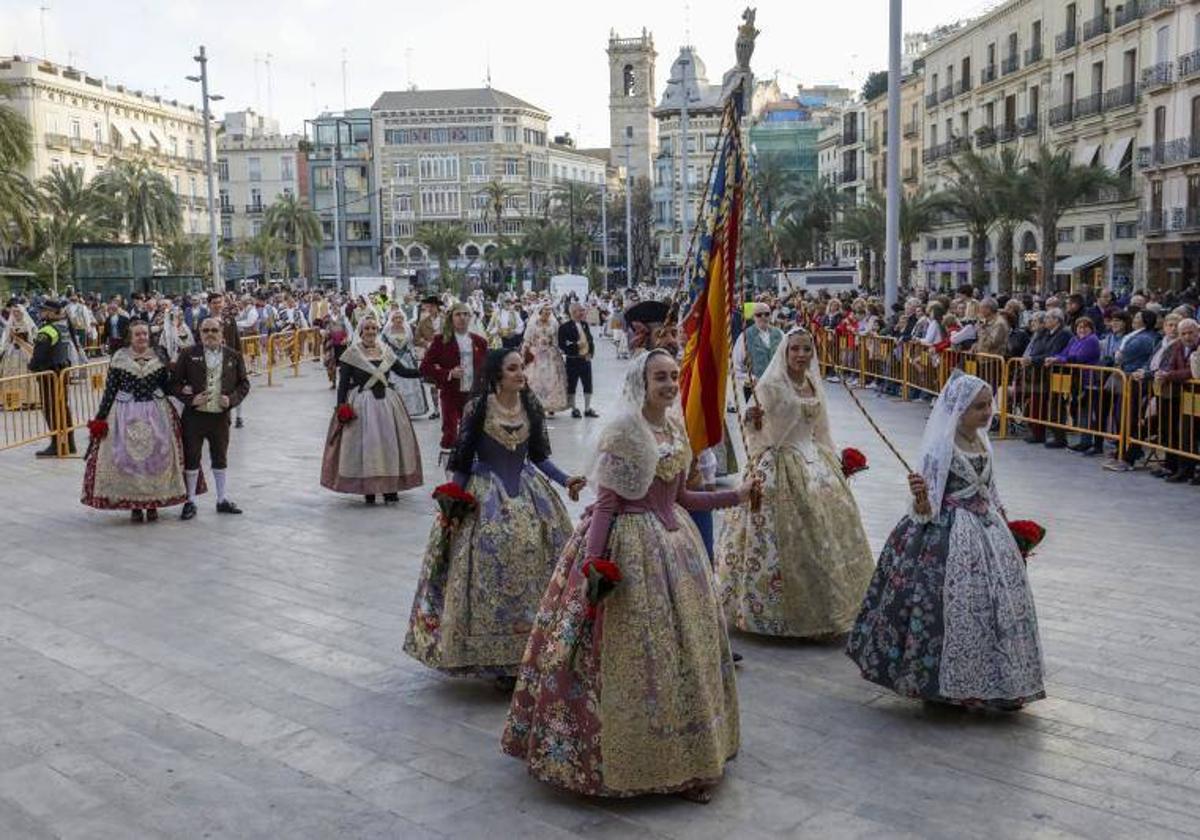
{"x":649,"y":703}
{"x":139,"y":463}
{"x":949,"y":614}
{"x":548,"y":378}
{"x":473,"y":614}
{"x":374,"y":453}
{"x":800,"y":565}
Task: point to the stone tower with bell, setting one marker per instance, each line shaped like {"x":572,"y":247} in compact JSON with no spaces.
{"x":632,"y":130}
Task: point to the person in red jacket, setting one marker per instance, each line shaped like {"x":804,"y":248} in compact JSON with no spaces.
{"x":454,"y":358}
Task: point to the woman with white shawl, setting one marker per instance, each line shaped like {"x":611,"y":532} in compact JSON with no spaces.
{"x":633,"y":692}
{"x":176,"y":334}
{"x":17,"y":335}
{"x":949,"y":614}
{"x":796,"y":564}
{"x":399,"y":336}
{"x":370,"y":448}
{"x":545,"y":365}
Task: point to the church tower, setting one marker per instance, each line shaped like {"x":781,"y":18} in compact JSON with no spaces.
{"x":631,"y":102}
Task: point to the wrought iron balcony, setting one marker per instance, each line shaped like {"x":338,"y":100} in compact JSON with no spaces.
{"x":226,"y":208}
{"x":1189,"y":65}
{"x":1150,"y":8}
{"x":910,"y":173}
{"x":947,"y":92}
{"x":1120,"y":97}
{"x":1158,"y":76}
{"x":1105,"y":195}
{"x":101,"y":149}
{"x":931,"y":100}
{"x":56,"y":141}
{"x":987,"y":74}
{"x":1007,"y":133}
{"x":945,"y":150}
{"x":1089,"y":106}
{"x":1033,"y":54}
{"x":1062,"y":114}
{"x":1131,"y":11}
{"x":985,"y":137}
{"x":1065,"y":40}
{"x":255,"y":208}
{"x":962,"y":86}
{"x":1095,"y":27}
{"x":912,"y":129}
{"x":1154,"y":222}
{"x":1027,"y":125}
{"x":1010,"y":64}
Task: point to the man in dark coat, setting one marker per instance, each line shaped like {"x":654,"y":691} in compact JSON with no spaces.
{"x":1049,"y":342}
{"x":575,"y":342}
{"x":51,"y":355}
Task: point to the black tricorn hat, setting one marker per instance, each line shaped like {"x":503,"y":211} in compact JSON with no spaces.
{"x":648,"y":312}
{"x":54,"y":303}
{"x":432,"y":300}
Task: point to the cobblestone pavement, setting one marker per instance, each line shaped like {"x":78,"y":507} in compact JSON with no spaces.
{"x":241,"y":676}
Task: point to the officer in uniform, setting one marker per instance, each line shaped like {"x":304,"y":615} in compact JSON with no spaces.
{"x":52,"y":351}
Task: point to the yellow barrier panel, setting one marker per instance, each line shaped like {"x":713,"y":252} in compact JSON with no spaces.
{"x":22,"y":421}
{"x":882,"y":360}
{"x":924,"y":369}
{"x":1163,"y":416}
{"x":1087,"y":400}
{"x":253,"y":355}
{"x":80,"y":390}
{"x":991,"y":369}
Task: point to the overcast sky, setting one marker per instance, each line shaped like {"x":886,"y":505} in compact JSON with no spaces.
{"x":549,"y":53}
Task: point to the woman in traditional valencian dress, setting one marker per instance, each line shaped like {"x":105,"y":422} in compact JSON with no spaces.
{"x":475,"y":604}
{"x":17,"y":333}
{"x":949,"y":615}
{"x":634,"y":693}
{"x":800,"y":563}
{"x":135,"y":460}
{"x":371,"y":447}
{"x":399,"y":336}
{"x":547,"y":371}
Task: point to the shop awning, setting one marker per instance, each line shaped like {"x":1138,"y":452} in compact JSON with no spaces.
{"x":1085,"y":153}
{"x":1069,"y":265}
{"x":1116,"y":151}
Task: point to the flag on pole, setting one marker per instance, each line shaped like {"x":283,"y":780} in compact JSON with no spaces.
{"x":707,"y":324}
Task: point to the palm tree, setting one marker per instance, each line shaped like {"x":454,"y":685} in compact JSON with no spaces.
{"x":579,"y":205}
{"x":774,"y":183}
{"x":1010,"y":189}
{"x":816,"y":205}
{"x":144,"y":205}
{"x":497,"y":196}
{"x":1055,"y":186}
{"x":266,"y":250}
{"x":546,"y":243}
{"x":919,"y":212}
{"x":866,"y":224}
{"x":444,"y":240}
{"x":72,"y":211}
{"x":18,"y":209}
{"x":292,"y":220}
{"x":185,"y":254}
{"x":969,"y":199}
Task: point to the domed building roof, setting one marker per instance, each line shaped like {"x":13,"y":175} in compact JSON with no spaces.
{"x":689,"y":74}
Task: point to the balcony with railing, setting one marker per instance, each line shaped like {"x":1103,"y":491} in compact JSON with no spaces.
{"x":910,"y":174}
{"x":1128,"y":13}
{"x":1033,"y":54}
{"x":1027,"y":125}
{"x":226,"y":208}
{"x":985,"y":137}
{"x":1120,"y":97}
{"x":987,"y":74}
{"x":1151,"y":8}
{"x":102,"y":149}
{"x":962,"y":86}
{"x":1105,"y":195}
{"x":1010,"y":64}
{"x":1095,"y":27}
{"x":1169,"y":153}
{"x":1064,"y":41}
{"x":947,"y":92}
{"x":944,"y":150}
{"x":872,"y":145}
{"x":56,"y":141}
{"x":1089,"y":106}
{"x":931,"y":100}
{"x":1007,"y":133}
{"x":848,"y":176}
{"x":1154,"y":222}
{"x":1189,"y":65}
{"x":1062,"y":114}
{"x":912,"y":129}
{"x":257,"y":207}
{"x":1158,"y":76}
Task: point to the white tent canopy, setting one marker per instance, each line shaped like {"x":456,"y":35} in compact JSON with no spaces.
{"x":1069,"y":265}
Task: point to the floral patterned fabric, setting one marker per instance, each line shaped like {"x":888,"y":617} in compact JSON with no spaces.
{"x":548,"y":372}
{"x":799,"y":565}
{"x":649,"y":703}
{"x":949,"y":615}
{"x":473,"y":615}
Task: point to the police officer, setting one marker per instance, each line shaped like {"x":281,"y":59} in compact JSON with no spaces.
{"x":52,"y":351}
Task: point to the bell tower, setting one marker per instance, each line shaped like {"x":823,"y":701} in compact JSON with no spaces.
{"x":631,"y":103}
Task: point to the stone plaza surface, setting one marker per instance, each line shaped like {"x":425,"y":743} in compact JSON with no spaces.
{"x":242,"y":676}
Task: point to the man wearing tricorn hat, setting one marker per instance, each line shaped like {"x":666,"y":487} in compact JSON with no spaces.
{"x":651,"y":324}
{"x":53,"y":349}
{"x":429,"y":324}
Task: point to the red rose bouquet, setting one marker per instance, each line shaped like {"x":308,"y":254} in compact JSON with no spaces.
{"x":97,"y":428}
{"x":345,"y":413}
{"x":602,"y":577}
{"x":1028,"y":535}
{"x":853,"y":461}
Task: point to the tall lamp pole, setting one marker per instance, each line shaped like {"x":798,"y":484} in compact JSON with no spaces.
{"x":891,"y":283}
{"x":628,"y":208}
{"x":604,"y":227}
{"x":202,"y":59}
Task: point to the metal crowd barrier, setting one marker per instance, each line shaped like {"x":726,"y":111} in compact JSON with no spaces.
{"x":80,"y":389}
{"x":22,"y":420}
{"x":990,"y":368}
{"x":1163,"y":416}
{"x":1080,"y":399}
{"x":924,"y":370}
{"x":253,"y":355}
{"x":882,"y":360}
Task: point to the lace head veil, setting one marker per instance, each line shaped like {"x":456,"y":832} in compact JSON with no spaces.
{"x":777,"y":387}
{"x":937,"y":444}
{"x":626,"y":454}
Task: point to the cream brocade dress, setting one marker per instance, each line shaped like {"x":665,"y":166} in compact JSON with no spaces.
{"x":799,"y":565}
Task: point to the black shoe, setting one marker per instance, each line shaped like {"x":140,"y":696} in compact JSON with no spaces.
{"x":435,"y":416}
{"x":590,"y":413}
{"x":1181,"y":477}
{"x":228,"y":507}
{"x":575,"y":413}
{"x":391,"y":498}
{"x":237,"y":424}
{"x":1095,"y":450}
{"x":50,"y":451}
{"x":1034,"y":440}
{"x":369,"y":498}
{"x":1079,"y":447}
{"x":1160,"y":472}
{"x":152,"y":514}
{"x":506,"y":684}
{"x":737,"y":657}
{"x":189,"y":511}
{"x":1055,"y":444}
{"x":136,"y":515}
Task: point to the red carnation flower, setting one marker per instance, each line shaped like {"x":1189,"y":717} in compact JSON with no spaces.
{"x":345,"y":413}
{"x":97,"y":428}
{"x":607,"y":569}
{"x":451,"y":492}
{"x":1027,"y":534}
{"x":853,"y":461}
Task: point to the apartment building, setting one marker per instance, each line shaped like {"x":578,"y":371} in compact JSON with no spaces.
{"x":344,"y":193}
{"x":912,"y":122}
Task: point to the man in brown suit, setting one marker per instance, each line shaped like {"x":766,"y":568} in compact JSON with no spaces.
{"x":209,"y":380}
{"x":992,"y":331}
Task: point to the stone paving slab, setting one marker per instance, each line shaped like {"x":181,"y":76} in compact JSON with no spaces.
{"x":242,"y":677}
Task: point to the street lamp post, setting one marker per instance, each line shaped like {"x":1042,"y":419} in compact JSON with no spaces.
{"x":202,"y":59}
{"x":891,"y":284}
{"x":604,"y":228}
{"x":628,"y":208}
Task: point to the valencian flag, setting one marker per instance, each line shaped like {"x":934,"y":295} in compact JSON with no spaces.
{"x":707,"y":325}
